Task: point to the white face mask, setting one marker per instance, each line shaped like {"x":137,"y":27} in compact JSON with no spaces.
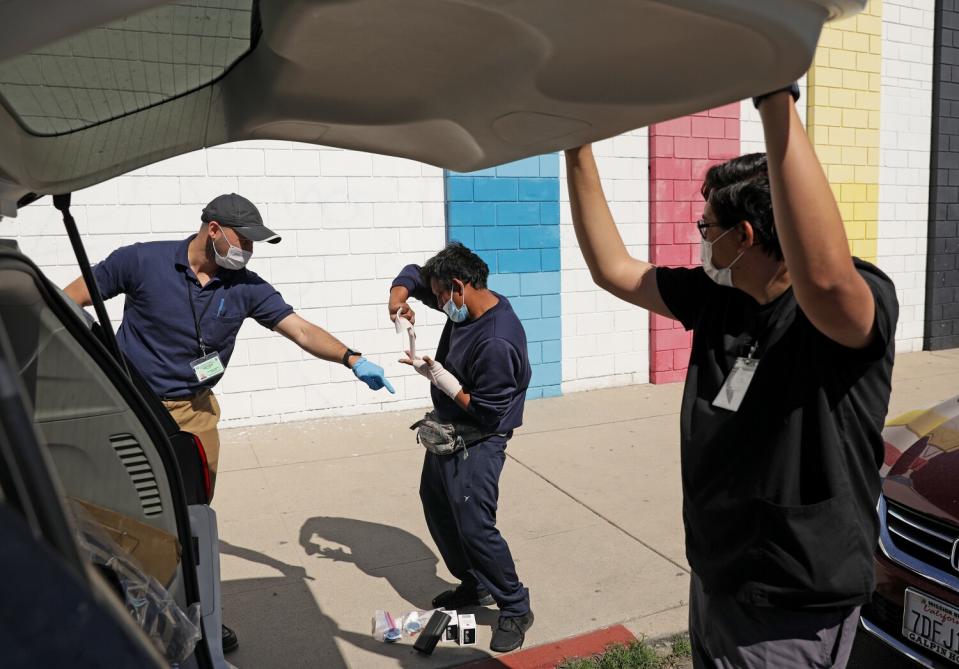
{"x":723,"y":276}
{"x":235,"y":258}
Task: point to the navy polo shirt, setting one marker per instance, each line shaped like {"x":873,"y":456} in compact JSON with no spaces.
{"x":157,"y":333}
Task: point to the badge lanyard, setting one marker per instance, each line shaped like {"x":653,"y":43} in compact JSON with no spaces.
{"x":207,"y":365}
{"x":734,"y":388}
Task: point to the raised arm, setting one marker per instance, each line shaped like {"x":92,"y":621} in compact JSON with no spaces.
{"x":830,"y":291}
{"x":610,"y":265}
{"x":409,"y":283}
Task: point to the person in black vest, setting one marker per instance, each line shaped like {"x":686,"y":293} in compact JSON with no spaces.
{"x":479,"y":380}
{"x":786,"y":393}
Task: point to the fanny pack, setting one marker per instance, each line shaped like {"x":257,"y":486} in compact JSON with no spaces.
{"x":445,"y":438}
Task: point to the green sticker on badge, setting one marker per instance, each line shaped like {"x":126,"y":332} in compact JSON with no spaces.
{"x":207,"y":367}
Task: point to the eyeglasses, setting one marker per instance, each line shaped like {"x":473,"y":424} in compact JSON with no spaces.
{"x":701,"y":224}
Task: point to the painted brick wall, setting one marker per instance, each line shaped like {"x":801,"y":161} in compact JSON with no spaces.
{"x":510,"y":215}
{"x":681,"y":151}
{"x":843,"y":120}
{"x":904,"y":141}
{"x":942,"y":274}
{"x":349,"y":222}
{"x":606,"y":340}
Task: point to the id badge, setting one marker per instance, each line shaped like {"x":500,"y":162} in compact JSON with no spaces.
{"x":207,"y":367}
{"x":737,"y":383}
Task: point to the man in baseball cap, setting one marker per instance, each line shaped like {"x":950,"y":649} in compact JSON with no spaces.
{"x":236,"y":212}
{"x":185,"y":303}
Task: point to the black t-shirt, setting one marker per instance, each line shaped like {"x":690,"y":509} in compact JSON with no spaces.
{"x":779,"y":498}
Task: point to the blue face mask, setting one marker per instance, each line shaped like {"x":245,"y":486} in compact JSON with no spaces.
{"x":455,"y":313}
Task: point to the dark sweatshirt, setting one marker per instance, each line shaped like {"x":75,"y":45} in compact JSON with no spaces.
{"x":488,"y":356}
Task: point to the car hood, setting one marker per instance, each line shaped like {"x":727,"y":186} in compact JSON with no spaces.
{"x":462,"y":84}
{"x":926,"y":476}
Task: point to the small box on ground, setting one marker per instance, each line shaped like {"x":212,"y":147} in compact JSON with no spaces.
{"x":467,"y":631}
{"x":453,"y":628}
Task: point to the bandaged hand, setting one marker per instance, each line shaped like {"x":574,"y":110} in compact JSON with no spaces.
{"x":435,"y":372}
{"x":442,"y":379}
{"x":418,"y":364}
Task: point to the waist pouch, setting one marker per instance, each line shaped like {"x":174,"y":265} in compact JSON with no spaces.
{"x":445,"y":438}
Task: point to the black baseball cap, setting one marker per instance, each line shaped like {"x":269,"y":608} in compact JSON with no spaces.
{"x":235,"y":211}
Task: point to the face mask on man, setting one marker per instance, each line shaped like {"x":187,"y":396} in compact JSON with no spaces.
{"x":721,"y":275}
{"x":455,"y":313}
{"x":235,"y":258}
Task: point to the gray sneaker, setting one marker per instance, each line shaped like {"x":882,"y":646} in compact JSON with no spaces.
{"x":510,"y":633}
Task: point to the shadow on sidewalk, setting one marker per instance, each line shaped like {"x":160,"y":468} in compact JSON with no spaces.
{"x":384,"y":551}
{"x":280,"y":624}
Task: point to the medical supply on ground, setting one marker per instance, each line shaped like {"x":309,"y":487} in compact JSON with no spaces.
{"x":467,"y":629}
{"x":385,"y":627}
{"x":434,"y":629}
{"x":452,"y":627}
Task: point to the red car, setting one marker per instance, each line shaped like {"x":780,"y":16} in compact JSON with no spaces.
{"x":915,"y":609}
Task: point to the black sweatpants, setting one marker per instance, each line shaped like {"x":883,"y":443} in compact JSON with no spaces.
{"x":460,"y":494}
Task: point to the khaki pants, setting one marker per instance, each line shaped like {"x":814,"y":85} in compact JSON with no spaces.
{"x":199,"y":415}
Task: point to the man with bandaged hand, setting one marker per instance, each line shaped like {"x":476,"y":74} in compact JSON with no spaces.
{"x":479,"y":379}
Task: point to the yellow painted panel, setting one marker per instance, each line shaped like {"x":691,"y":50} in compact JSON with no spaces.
{"x":868,"y":100}
{"x":867,"y":138}
{"x":855,"y":229}
{"x":854,"y":155}
{"x":871,"y":25}
{"x":840,"y":174}
{"x":855,"y":118}
{"x":829,"y":76}
{"x":844,"y":60}
{"x":864,"y":248}
{"x":855,"y":80}
{"x":839,"y":97}
{"x":839,"y":136}
{"x":853,"y":42}
{"x":853,"y":192}
{"x":843,"y":105}
{"x":866,"y":174}
{"x":847,"y":210}
{"x":868,"y":62}
{"x":865,"y":212}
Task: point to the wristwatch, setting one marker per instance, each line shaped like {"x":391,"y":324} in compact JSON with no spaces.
{"x":346,"y":356}
{"x":793,"y":89}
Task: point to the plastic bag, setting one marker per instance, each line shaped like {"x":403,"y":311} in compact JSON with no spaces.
{"x":173,"y":632}
{"x":389,"y":629}
{"x":385,"y":627}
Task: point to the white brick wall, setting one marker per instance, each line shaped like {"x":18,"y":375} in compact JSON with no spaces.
{"x":349,"y":222}
{"x":904,"y":142}
{"x":606,"y":340}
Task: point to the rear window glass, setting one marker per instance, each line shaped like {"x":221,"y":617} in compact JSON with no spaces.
{"x":127,"y":65}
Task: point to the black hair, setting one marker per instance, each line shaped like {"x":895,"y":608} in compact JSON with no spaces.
{"x":738,"y":190}
{"x":456,"y":262}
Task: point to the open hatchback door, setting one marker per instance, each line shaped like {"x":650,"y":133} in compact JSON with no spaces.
{"x":93,"y":90}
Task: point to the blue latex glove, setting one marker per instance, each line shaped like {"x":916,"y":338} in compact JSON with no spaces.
{"x":372,"y":375}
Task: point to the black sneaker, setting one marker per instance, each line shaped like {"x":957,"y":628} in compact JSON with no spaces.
{"x":230,"y":642}
{"x":510,"y":633}
{"x":462,"y":596}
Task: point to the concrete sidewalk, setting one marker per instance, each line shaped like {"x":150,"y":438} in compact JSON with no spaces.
{"x":321,"y":524}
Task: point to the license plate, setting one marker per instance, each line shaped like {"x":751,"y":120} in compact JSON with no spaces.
{"x":931,"y":623}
